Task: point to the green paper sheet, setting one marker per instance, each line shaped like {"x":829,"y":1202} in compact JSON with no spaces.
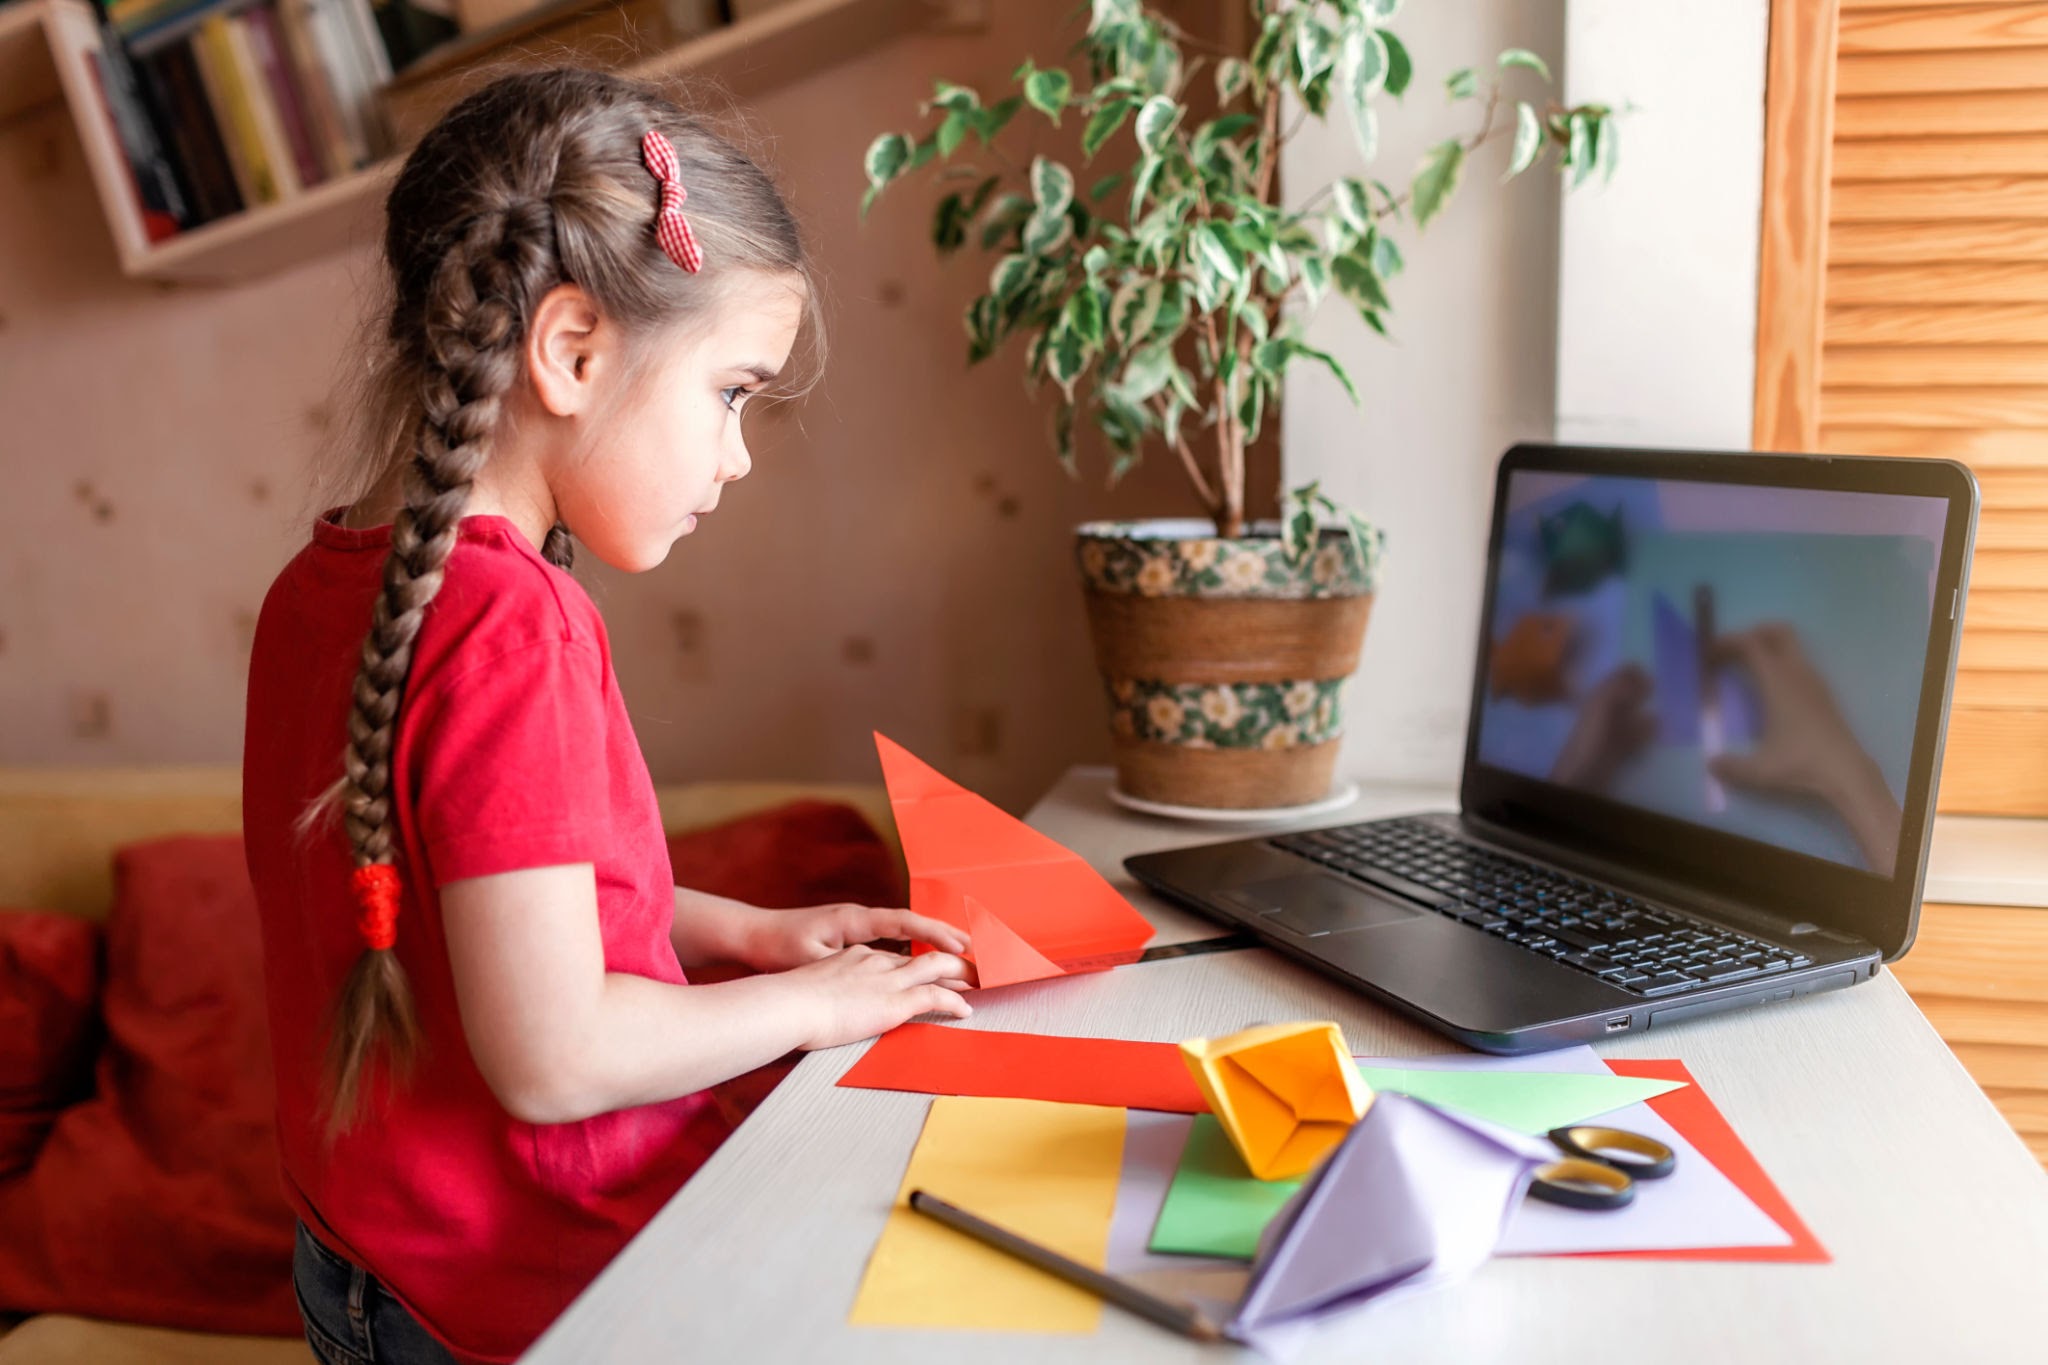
{"x":1214,"y":1207}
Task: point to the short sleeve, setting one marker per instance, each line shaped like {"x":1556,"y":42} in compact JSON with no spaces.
{"x":508,"y":762}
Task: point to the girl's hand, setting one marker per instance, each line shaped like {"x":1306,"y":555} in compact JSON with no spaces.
{"x":860,"y":991}
{"x":781,"y":939}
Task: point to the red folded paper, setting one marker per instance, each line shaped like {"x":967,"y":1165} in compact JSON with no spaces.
{"x":935,"y":1059}
{"x":1033,"y":908}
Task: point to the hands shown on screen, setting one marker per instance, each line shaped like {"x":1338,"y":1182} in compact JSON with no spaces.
{"x":1807,"y":748}
{"x":1614,"y":722}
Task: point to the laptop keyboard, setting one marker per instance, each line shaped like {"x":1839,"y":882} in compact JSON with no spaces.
{"x":1607,"y":933}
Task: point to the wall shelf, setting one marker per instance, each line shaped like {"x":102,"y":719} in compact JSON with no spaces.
{"x":47,"y":47}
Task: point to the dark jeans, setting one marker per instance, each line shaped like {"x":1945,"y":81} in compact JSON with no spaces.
{"x":350,"y":1318}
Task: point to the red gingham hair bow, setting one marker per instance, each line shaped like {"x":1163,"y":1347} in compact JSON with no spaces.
{"x":670,"y":227}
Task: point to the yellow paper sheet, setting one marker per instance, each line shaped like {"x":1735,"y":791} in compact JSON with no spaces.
{"x":1045,"y":1171}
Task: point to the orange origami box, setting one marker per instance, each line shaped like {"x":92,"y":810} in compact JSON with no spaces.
{"x":1033,"y":908}
{"x":1286,"y":1094}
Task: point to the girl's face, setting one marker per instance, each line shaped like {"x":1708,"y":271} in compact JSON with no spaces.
{"x":673,"y":440}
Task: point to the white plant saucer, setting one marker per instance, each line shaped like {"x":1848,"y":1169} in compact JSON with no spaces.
{"x":1341,"y":796}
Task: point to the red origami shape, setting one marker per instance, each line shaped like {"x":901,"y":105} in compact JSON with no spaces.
{"x":1033,"y":908}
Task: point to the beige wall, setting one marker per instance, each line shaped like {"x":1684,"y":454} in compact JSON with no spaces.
{"x":899,"y":558}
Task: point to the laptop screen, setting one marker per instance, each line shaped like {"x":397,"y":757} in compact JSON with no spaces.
{"x":1741,"y":658}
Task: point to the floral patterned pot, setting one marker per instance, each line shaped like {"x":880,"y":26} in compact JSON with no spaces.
{"x":1223,"y":661}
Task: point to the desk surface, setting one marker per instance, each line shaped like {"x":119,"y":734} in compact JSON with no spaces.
{"x":1935,"y":1213}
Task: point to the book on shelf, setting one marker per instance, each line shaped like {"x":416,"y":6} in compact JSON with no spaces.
{"x":227,"y":105}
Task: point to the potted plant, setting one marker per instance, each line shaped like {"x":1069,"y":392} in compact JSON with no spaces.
{"x":1166,"y":301}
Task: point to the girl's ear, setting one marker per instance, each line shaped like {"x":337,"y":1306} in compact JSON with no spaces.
{"x":568,"y":349}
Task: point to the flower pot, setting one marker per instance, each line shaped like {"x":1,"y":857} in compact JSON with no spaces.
{"x":1223,"y":662}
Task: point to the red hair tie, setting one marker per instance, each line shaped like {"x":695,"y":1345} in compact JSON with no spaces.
{"x":670,"y":227}
{"x":376,"y":888}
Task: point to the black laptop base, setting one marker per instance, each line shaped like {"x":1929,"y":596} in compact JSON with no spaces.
{"x":1495,"y":982}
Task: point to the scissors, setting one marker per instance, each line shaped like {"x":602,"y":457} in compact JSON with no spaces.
{"x":1601,"y":1167}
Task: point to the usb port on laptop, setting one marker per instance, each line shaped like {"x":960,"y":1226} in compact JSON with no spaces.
{"x":1617,"y":1024}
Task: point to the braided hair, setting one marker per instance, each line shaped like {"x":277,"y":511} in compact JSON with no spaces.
{"x":533,"y":181}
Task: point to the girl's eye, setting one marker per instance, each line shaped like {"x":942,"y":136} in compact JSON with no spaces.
{"x":733,"y":395}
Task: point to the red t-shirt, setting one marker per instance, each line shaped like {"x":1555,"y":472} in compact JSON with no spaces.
{"x":513,"y":750}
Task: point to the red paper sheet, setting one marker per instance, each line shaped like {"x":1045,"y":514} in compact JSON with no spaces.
{"x":1693,"y":1114}
{"x":934,"y":1059}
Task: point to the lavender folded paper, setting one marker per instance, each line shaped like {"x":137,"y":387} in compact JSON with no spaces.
{"x":1414,"y":1195}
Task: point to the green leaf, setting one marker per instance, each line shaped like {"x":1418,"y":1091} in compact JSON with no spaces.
{"x":1107,"y":13}
{"x":1301,"y":530}
{"x":1134,"y":309}
{"x":867,"y":200}
{"x":1065,"y":357}
{"x":1011,"y":274}
{"x":1462,"y":83}
{"x":1083,"y":314}
{"x":1610,"y":148}
{"x":1148,"y":371}
{"x":1328,"y":361}
{"x":953,"y":132}
{"x":1272,"y":33}
{"x":1048,"y":92}
{"x":1095,"y":260}
{"x":1232,"y":75}
{"x":887,"y":156}
{"x":1046,"y":232}
{"x":1315,"y":49}
{"x":1365,"y":62}
{"x":1519,"y":56}
{"x":1063,"y":435}
{"x":1528,"y":141}
{"x":955,"y":97}
{"x":1252,"y":411}
{"x":1155,"y":122}
{"x":1437,"y":178}
{"x":1009,"y":214}
{"x":1353,"y":204}
{"x":1105,"y":185}
{"x":1385,"y":256}
{"x":1400,"y":67}
{"x":1214,"y":248}
{"x":1382,"y":11}
{"x":1148,"y":171}
{"x":981,"y":320}
{"x":1315,"y":276}
{"x":923,"y":152}
{"x":1052,"y":185}
{"x":1368,"y":542}
{"x":988,"y":122}
{"x":1102,"y":123}
{"x":1580,"y":156}
{"x":949,"y":224}
{"x":1357,"y":282}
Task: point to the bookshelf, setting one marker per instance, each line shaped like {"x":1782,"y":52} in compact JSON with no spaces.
{"x":46,"y":51}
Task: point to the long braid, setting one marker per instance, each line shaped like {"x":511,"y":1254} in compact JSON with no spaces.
{"x":475,"y":319}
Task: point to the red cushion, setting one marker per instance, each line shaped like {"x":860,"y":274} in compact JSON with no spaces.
{"x":158,"y":1199}
{"x":803,"y":853}
{"x":49,"y":1025}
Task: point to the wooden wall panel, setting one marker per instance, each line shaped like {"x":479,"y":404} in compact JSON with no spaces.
{"x":1792,"y":249}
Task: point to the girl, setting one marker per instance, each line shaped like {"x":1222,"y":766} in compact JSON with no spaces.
{"x":486,"y":948}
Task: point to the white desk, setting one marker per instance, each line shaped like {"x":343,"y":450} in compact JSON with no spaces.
{"x":1936,"y":1215}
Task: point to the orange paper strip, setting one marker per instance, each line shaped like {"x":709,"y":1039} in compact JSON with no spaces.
{"x":936,"y":1059}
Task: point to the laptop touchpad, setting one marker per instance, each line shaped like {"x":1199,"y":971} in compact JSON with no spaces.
{"x":1311,"y":904}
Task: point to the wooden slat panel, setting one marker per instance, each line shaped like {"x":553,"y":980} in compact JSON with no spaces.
{"x":1923,"y":158}
{"x":1997,"y":111}
{"x":1925,"y":30}
{"x":1995,"y":763}
{"x":2007,"y":609}
{"x":1861,"y":6}
{"x":2004,"y":651}
{"x":2025,"y":1110}
{"x":1983,"y":451}
{"x":1935,"y":201}
{"x":1799,"y":107}
{"x":1914,"y":325}
{"x":1935,"y":407}
{"x":2007,"y":569}
{"x":1914,"y":73}
{"x":1970,"y":241}
{"x":2000,"y":690}
{"x":1991,"y":952}
{"x":1968,"y":1020}
{"x":2013,"y":489}
{"x":2005,"y":1068}
{"x":1942,"y":282}
{"x":1931,"y":366}
{"x":2000,"y":528}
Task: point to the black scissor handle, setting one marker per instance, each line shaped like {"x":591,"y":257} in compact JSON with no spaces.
{"x":1581,"y":1184}
{"x":1640,"y":1157}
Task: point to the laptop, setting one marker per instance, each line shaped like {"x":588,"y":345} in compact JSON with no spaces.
{"x":1700,"y":761}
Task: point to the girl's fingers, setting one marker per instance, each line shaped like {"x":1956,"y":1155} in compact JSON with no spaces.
{"x":954,"y":983}
{"x":936,"y":999}
{"x":889,"y":923}
{"x":930,"y":968}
